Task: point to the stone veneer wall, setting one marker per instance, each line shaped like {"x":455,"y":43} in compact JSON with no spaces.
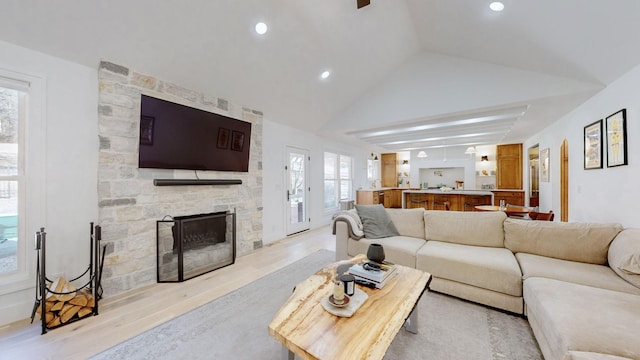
{"x":129,"y":203}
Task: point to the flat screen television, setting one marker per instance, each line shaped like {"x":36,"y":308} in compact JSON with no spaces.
{"x":174,"y":136}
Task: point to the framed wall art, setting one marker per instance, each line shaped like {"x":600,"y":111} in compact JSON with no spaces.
{"x":593,"y":146}
{"x":223,"y":138}
{"x":544,"y":165}
{"x":237,"y":140}
{"x":617,"y":139}
{"x":146,"y":130}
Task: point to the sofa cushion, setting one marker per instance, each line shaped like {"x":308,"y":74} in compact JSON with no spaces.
{"x":571,"y":271}
{"x":408,"y":222}
{"x":572,"y":317}
{"x":624,"y":256}
{"x":397,"y":249}
{"x":583,"y":242}
{"x":584,"y":355}
{"x":376,"y":222}
{"x":467,"y":228}
{"x":485,"y":267}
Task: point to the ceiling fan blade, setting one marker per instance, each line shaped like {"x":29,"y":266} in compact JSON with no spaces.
{"x":363,"y":3}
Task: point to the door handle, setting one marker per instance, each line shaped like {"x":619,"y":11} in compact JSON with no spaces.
{"x":288,"y":196}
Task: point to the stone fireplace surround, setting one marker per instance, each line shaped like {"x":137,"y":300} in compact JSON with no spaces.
{"x":130,"y":204}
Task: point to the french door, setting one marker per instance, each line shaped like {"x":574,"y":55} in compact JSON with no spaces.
{"x":297,"y":191}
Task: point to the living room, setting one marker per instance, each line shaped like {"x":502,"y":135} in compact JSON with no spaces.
{"x":66,"y":141}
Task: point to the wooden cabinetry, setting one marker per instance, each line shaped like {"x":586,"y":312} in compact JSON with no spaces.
{"x":367,"y":197}
{"x":470,"y":202}
{"x":509,"y":197}
{"x":509,"y":166}
{"x":456,"y":202}
{"x":393,"y":198}
{"x":389,"y":170}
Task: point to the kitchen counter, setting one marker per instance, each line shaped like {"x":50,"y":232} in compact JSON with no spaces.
{"x":455,"y":200}
{"x":454,"y":191}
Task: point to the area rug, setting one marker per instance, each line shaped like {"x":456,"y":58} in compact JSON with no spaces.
{"x":235,"y":326}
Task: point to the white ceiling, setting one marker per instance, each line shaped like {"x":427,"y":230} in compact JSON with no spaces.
{"x":397,"y":65}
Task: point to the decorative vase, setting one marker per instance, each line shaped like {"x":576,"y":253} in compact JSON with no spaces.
{"x":375,"y":253}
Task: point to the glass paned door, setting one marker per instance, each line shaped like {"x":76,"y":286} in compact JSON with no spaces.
{"x":297,"y":190}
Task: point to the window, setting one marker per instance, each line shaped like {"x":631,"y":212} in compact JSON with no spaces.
{"x":338,"y":179}
{"x":22,"y":165}
{"x":11,"y":176}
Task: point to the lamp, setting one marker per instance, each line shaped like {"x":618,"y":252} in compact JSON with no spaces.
{"x":422,"y":154}
{"x":470,"y":150}
{"x":484,"y":158}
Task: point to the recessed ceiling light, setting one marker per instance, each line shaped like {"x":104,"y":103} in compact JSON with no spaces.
{"x":496,"y":6}
{"x":261,"y":28}
{"x":325,"y":74}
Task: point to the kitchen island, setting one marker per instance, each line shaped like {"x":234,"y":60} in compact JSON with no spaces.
{"x":455,"y":200}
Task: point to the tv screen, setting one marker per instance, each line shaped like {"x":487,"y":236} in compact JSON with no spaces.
{"x":174,"y":136}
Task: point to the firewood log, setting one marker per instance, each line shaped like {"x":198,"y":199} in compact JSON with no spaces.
{"x":79,"y":299}
{"x":85,"y":311}
{"x":67,"y":315}
{"x":57,"y":305}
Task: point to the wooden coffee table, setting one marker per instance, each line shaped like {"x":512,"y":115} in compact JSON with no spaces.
{"x":307,"y":330}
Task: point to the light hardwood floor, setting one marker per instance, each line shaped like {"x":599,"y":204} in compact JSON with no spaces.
{"x":127,"y":315}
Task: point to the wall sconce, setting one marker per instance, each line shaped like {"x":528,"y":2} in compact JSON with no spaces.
{"x":422,"y":154}
{"x":405,"y":162}
{"x":484,"y":158}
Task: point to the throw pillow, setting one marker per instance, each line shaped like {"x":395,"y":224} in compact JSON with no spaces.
{"x":376,"y":222}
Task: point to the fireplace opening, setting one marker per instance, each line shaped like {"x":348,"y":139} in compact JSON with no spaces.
{"x":189,"y":246}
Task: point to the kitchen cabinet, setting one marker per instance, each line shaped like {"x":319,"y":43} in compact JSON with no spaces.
{"x":469,"y":202}
{"x":509,"y":197}
{"x":389,"y":170}
{"x":368,"y":197}
{"x":393,"y":198}
{"x":436,"y":201}
{"x":509,"y":166}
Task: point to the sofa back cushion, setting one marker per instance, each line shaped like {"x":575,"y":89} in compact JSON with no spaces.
{"x":583,"y":242}
{"x":409,"y":222}
{"x":467,"y":228}
{"x":624,"y":256}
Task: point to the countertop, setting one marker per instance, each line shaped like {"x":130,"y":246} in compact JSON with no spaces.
{"x":387,"y":188}
{"x":511,"y":190}
{"x":452,"y":192}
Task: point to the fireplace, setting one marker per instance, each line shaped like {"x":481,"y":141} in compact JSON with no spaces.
{"x":189,"y":246}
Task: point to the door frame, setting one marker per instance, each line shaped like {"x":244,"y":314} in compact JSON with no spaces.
{"x":564,"y":181}
{"x":291,"y":228}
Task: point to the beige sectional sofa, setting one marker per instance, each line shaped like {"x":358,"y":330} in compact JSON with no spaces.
{"x":577,"y":283}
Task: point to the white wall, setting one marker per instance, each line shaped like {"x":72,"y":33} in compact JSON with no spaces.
{"x":602,"y":195}
{"x":276,"y":138}
{"x":71,"y":158}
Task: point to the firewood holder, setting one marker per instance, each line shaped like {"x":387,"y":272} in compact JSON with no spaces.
{"x":93,"y":274}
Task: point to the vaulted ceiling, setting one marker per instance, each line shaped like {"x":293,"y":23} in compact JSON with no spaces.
{"x":405,"y":74}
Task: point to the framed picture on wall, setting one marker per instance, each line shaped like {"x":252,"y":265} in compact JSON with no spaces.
{"x":223,"y":138}
{"x":617,"y":139}
{"x":544,"y":165}
{"x":146,"y":130}
{"x":593,"y":146}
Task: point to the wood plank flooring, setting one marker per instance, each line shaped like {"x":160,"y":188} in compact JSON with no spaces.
{"x":127,"y":315}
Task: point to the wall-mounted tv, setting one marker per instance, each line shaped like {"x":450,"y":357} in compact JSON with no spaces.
{"x":174,"y":136}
